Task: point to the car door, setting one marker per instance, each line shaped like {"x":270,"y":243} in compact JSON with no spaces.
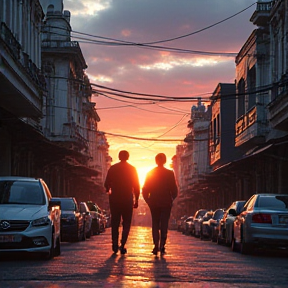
{"x":239,"y":222}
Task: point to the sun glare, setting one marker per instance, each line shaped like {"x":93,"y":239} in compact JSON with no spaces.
{"x":142,"y":172}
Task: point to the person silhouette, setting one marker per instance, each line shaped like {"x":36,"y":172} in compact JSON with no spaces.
{"x":159,"y":191}
{"x":122,"y":184}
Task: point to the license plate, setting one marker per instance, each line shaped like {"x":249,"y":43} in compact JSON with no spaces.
{"x":283,"y":219}
{"x":10,"y":238}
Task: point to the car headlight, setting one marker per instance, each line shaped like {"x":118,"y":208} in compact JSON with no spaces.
{"x":41,"y":221}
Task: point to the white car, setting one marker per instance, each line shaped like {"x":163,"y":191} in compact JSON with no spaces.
{"x":262,"y":223}
{"x":29,"y":218}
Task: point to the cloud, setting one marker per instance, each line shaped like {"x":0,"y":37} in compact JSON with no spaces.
{"x":145,"y":70}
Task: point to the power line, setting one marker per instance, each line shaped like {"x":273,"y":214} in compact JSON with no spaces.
{"x":145,"y":46}
{"x":140,"y":138}
{"x":200,"y":30}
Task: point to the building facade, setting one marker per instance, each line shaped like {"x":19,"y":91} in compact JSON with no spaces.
{"x":49,"y":124}
{"x":255,"y":159}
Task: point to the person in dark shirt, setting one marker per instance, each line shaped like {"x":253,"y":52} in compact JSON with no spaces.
{"x":122,"y":184}
{"x":159,"y":191}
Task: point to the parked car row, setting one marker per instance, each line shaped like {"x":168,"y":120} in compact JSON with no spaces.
{"x":99,"y":218}
{"x":32,"y":221}
{"x":260,"y":222}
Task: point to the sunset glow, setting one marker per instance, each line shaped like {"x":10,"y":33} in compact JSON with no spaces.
{"x":114,"y":63}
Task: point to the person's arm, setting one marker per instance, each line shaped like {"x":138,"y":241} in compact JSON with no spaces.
{"x":107,"y":183}
{"x":145,"y":188}
{"x":174,"y":188}
{"x":136,"y":188}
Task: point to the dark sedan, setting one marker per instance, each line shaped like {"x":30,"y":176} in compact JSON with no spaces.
{"x":72,"y":221}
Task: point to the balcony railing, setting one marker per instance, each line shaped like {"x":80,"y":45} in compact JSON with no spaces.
{"x":246,"y":121}
{"x":60,"y":44}
{"x":8,"y":37}
{"x":265,"y":6}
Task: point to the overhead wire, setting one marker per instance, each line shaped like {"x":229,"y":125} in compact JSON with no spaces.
{"x":119,"y":42}
{"x":200,"y":30}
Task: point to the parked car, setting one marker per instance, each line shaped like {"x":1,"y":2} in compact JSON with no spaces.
{"x":225,"y":226}
{"x":180,"y":223}
{"x":263,"y":222}
{"x":172,"y":224}
{"x":87,"y":219}
{"x":205,"y":229}
{"x":188,"y":225}
{"x":29,"y":217}
{"x":72,"y":221}
{"x":183,"y":223}
{"x":197,"y":222}
{"x":103,"y":220}
{"x":213,"y":224}
{"x":96,"y":218}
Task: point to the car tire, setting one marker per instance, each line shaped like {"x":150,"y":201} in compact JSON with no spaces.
{"x":58,"y":248}
{"x":234,"y":245}
{"x":219,"y":240}
{"x":201,"y":235}
{"x":50,"y":255}
{"x":89,"y":233}
{"x":83,"y":238}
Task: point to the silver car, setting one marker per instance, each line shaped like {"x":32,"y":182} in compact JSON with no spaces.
{"x":225,"y":227}
{"x":29,"y":217}
{"x":263,"y":223}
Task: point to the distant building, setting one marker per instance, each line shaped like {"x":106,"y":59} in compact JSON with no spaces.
{"x":192,"y":162}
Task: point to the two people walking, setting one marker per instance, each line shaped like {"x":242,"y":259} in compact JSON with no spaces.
{"x":159,"y":191}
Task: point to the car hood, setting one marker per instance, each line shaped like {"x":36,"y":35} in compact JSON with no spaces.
{"x":22,"y":212}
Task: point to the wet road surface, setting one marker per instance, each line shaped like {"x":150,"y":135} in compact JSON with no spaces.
{"x":189,"y":262}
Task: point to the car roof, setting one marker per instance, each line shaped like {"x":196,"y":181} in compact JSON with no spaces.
{"x":63,"y":198}
{"x":271,"y":194}
{"x":14,"y":178}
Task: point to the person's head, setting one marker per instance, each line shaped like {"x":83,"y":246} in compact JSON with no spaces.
{"x":160,"y":159}
{"x":123,"y":155}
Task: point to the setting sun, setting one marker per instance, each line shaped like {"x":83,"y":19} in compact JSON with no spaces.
{"x":142,"y":172}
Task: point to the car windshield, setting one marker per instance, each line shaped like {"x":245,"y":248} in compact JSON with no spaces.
{"x":67,"y":204}
{"x":92,"y":207}
{"x":201,"y":213}
{"x":280,"y":202}
{"x":21,"y":192}
{"x":218,"y":214}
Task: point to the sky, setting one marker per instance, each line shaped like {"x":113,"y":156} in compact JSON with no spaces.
{"x":105,"y":27}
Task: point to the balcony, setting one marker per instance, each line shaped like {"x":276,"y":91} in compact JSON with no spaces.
{"x":250,"y":128}
{"x":20,"y":79}
{"x":278,"y":108}
{"x":261,"y":15}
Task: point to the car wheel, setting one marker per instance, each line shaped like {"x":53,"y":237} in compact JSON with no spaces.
{"x":89,"y":233}
{"x":234,"y":245}
{"x":218,"y":240}
{"x":193,"y":232}
{"x":201,"y":235}
{"x":83,"y":234}
{"x":50,"y":255}
{"x":228,"y":239}
{"x":58,"y":248}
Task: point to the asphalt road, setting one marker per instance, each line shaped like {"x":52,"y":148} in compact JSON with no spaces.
{"x":189,"y":262}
